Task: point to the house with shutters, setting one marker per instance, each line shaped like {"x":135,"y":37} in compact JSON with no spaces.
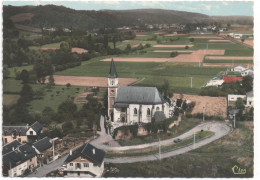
{"x":86,"y":161}
{"x":133,"y":104}
{"x":21,"y":133}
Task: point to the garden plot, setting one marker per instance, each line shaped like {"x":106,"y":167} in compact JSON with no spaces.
{"x":89,"y":81}
{"x":213,"y":106}
{"x":170,"y":35}
{"x":226,"y":64}
{"x":167,"y":51}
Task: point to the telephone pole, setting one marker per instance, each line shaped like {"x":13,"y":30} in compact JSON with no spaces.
{"x":194,"y":139}
{"x":159,"y":149}
{"x":235,"y":121}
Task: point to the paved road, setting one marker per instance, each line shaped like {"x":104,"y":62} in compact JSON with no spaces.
{"x":44,"y":170}
{"x":104,"y":137}
{"x":220,"y":130}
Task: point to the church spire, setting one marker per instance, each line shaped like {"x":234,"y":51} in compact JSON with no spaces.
{"x":113,"y":73}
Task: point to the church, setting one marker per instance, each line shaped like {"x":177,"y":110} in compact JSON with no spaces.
{"x":134,"y":104}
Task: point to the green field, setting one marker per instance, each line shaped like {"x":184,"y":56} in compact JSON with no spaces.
{"x":213,"y":160}
{"x":154,"y":73}
{"x":52,"y":45}
{"x":227,"y":61}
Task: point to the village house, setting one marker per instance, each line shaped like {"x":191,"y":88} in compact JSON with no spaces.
{"x":215,"y":82}
{"x":21,"y":133}
{"x":247,"y":72}
{"x":44,"y":150}
{"x":132,"y":104}
{"x":248,"y":99}
{"x":86,"y":161}
{"x":18,"y":158}
{"x":238,"y":68}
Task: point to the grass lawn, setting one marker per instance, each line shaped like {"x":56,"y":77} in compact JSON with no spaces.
{"x":185,"y":125}
{"x":213,"y":160}
{"x":12,"y":70}
{"x":12,"y":86}
{"x":199,"y":136}
{"x":10,"y":99}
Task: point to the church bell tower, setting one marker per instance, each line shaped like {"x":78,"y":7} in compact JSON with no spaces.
{"x":112,"y":89}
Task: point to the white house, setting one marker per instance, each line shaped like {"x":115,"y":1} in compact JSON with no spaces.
{"x":248,"y":99}
{"x":86,"y":161}
{"x":238,"y":68}
{"x":132,"y":104}
{"x":238,"y":36}
{"x":247,"y":72}
{"x":215,"y":82}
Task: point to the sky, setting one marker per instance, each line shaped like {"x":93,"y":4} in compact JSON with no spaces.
{"x":211,"y":8}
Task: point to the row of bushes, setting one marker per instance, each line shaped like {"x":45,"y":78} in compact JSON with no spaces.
{"x":206,"y":117}
{"x":66,"y":66}
{"x":153,"y":127}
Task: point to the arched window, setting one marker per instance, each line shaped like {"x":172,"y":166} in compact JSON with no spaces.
{"x":112,"y":82}
{"x":148,"y":112}
{"x":135,"y":111}
{"x":157,"y":109}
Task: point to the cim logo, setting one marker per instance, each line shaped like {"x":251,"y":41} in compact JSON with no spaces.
{"x":237,"y":170}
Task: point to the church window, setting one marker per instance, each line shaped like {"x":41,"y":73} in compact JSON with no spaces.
{"x":112,"y":82}
{"x":135,"y":111}
{"x":112,"y":91}
{"x":157,"y":109}
{"x":148,"y":112}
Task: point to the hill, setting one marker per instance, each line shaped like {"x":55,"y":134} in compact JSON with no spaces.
{"x":60,"y":16}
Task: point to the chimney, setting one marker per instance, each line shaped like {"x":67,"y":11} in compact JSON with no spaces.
{"x":94,"y":151}
{"x":70,"y":152}
{"x":13,"y":148}
{"x":27,"y":126}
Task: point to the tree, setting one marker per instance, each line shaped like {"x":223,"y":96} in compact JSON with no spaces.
{"x":247,"y":83}
{"x":174,"y":54}
{"x":24,"y":76}
{"x":240,"y":104}
{"x":186,"y":47}
{"x":26,"y":93}
{"x":51,"y":80}
{"x":192,"y":40}
{"x":66,"y":127}
{"x":6,"y":72}
{"x":242,"y":40}
{"x":65,"y":47}
{"x":67,"y":107}
{"x":165,"y":89}
{"x":68,"y":85}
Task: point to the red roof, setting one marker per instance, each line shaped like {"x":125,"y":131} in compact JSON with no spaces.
{"x":232,"y":79}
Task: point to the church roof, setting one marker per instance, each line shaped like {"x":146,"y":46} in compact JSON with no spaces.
{"x":113,"y":73}
{"x":139,"y":95}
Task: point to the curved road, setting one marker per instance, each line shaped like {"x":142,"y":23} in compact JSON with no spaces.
{"x":219,"y":128}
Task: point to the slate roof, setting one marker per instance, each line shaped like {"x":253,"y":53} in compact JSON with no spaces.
{"x":8,"y":130}
{"x":250,"y":94}
{"x":22,"y":154}
{"x":112,"y":72}
{"x":139,"y":95}
{"x":87,"y":151}
{"x":43,"y":144}
{"x":37,"y":127}
{"x":159,"y":116}
{"x":10,"y":147}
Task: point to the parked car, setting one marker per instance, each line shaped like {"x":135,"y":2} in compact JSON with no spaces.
{"x":177,"y":140}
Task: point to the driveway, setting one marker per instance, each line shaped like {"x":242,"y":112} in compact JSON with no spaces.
{"x":45,"y":169}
